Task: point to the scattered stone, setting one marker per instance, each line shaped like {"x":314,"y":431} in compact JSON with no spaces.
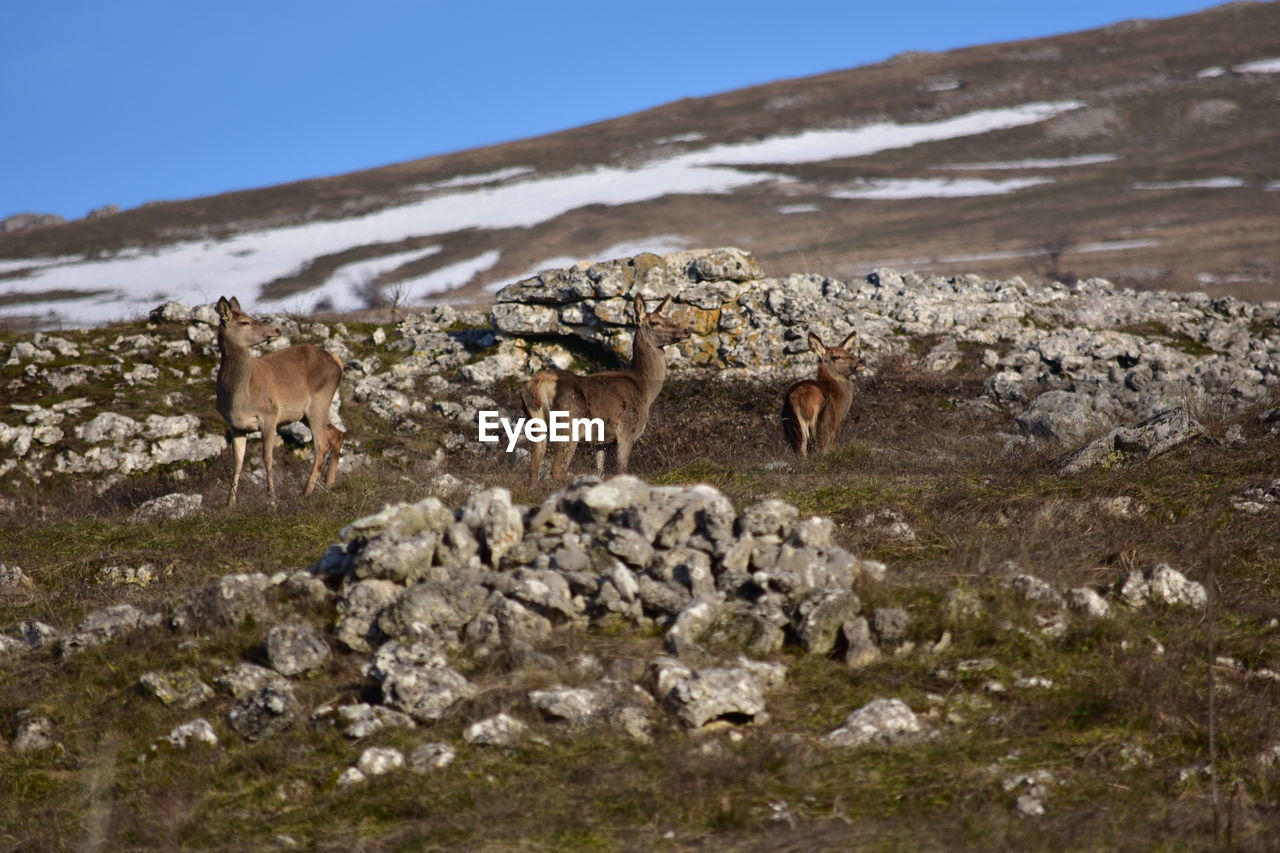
{"x":14,"y":580}
{"x":33,"y":733}
{"x":573,"y":705}
{"x":196,"y":731}
{"x":881,"y":721}
{"x":500,"y":730}
{"x":379,"y":760}
{"x":140,"y":576}
{"x":431,"y":756}
{"x":180,"y":688}
{"x":295,"y":648}
{"x":360,"y":720}
{"x":264,"y":712}
{"x":224,"y":603}
{"x":104,"y":625}
{"x":169,"y":507}
{"x":244,"y":678}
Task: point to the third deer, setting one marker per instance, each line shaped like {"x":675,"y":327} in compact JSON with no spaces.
{"x":814,"y":409}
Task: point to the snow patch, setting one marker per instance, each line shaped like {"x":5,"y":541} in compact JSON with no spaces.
{"x":248,"y":261}
{"x":1035,"y":163}
{"x":799,"y":208}
{"x":1202,"y":183}
{"x":908,"y":188}
{"x":475,"y":180}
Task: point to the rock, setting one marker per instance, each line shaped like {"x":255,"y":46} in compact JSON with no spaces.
{"x":1064,"y":417}
{"x":1088,"y":602}
{"x":108,"y":427}
{"x":431,"y":756}
{"x":102,"y":626}
{"x":244,"y":678}
{"x":499,"y":525}
{"x":33,"y":733}
{"x":860,"y":648}
{"x":1033,"y":791}
{"x":226,"y":602}
{"x":359,"y":607}
{"x":820,"y":617}
{"x":264,"y":712}
{"x":1159,"y":434}
{"x":500,"y":730}
{"x":891,"y":625}
{"x":38,"y":635}
{"x":295,"y":648}
{"x":733,"y":694}
{"x":196,"y":731}
{"x":379,"y":760}
{"x":351,"y":776}
{"x":140,"y":576}
{"x":881,"y":721}
{"x":169,"y":507}
{"x":573,"y":705}
{"x":14,"y":580}
{"x":417,"y":679}
{"x":691,"y":623}
{"x":399,"y":543}
{"x":1171,"y":587}
{"x":1033,"y":590}
{"x":360,"y":720}
{"x":180,"y":688}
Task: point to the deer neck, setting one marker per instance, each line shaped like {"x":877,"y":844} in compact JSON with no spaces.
{"x":234,"y":370}
{"x":837,"y":387}
{"x":648,"y":363}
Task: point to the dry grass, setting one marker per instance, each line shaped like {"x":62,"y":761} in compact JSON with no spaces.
{"x":911,"y":445}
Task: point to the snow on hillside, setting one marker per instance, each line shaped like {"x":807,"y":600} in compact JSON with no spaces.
{"x":131,"y":283}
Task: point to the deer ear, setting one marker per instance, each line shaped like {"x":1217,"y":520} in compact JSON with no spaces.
{"x":638,"y":303}
{"x":662,"y":309}
{"x":235,"y":304}
{"x":816,"y":345}
{"x":223,"y":308}
{"x":850,"y":341}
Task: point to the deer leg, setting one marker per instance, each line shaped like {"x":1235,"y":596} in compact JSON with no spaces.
{"x":537,"y":450}
{"x":825,"y":429}
{"x":268,"y":448}
{"x":564,"y":456}
{"x":238,"y":442}
{"x":625,"y":440}
{"x":802,"y":439}
{"x":318,"y":420}
{"x":336,"y":437}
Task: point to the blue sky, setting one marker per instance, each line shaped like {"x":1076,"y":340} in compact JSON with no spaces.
{"x":139,"y":100}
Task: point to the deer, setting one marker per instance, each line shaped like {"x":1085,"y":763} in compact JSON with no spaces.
{"x":814,"y":409}
{"x":292,"y":384}
{"x":620,"y":398}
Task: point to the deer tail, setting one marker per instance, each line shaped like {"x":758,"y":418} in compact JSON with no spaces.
{"x":539,"y":393}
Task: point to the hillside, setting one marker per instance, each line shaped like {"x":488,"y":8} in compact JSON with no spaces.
{"x":1028,"y":601}
{"x":1142,"y":153}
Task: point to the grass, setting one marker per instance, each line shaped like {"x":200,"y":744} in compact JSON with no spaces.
{"x":909,"y":447}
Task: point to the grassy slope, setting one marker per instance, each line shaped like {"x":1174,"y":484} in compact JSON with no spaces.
{"x":909,"y":447}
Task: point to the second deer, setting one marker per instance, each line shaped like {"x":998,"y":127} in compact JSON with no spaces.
{"x":292,"y":384}
{"x":814,"y":409}
{"x":621,"y":398}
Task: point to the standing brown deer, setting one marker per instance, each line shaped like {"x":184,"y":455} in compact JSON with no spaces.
{"x":814,"y":409}
{"x":292,"y":384}
{"x":621,"y":398}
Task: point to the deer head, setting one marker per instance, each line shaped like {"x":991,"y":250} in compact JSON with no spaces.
{"x":840,"y":359}
{"x":658,"y":328}
{"x":241,"y":329}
